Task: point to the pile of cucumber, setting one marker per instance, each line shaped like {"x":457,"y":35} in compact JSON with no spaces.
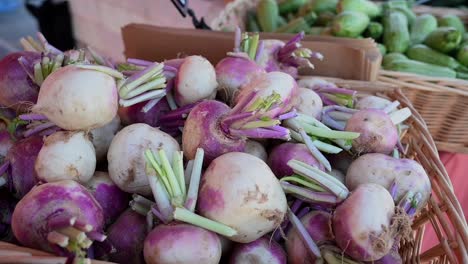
{"x":416,"y":44}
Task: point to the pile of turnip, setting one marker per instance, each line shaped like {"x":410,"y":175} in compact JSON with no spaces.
{"x":185,"y":161}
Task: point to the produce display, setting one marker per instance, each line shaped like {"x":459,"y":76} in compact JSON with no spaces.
{"x":433,"y":46}
{"x":182,"y":161}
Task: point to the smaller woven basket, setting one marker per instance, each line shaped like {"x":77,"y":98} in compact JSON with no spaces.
{"x":13,"y":254}
{"x":443,"y":211}
{"x":443,"y":104}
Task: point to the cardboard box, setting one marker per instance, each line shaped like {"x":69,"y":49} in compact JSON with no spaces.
{"x":344,"y":58}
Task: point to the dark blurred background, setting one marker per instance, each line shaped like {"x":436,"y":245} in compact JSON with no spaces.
{"x":19,"y":18}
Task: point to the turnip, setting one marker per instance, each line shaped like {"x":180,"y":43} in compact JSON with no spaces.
{"x":66,"y":156}
{"x":181,"y":243}
{"x":239,"y":67}
{"x":282,"y":154}
{"x":318,"y":225}
{"x":260,"y":251}
{"x":60,"y":214}
{"x":78,"y":98}
{"x":249,"y":198}
{"x":406,"y":174}
{"x":126,"y":236}
{"x":101,"y":137}
{"x":309,"y":103}
{"x":378,"y":134}
{"x":195,"y":81}
{"x":112,"y":200}
{"x":217,"y":129}
{"x":127,"y":167}
{"x":256,"y":149}
{"x":19,"y":165}
{"x":17,"y":89}
{"x":232,"y":73}
{"x":365,"y":224}
{"x":275,"y":55}
{"x":271,"y":83}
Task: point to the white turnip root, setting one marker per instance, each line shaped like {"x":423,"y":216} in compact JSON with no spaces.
{"x":407,"y":176}
{"x":127,"y":166}
{"x":240,"y":191}
{"x":260,"y":251}
{"x":112,"y":200}
{"x":273,"y":82}
{"x":101,"y":137}
{"x":365,"y":224}
{"x":66,"y":156}
{"x":75,"y":98}
{"x":181,"y":243}
{"x":309,"y":103}
{"x":378,"y":134}
{"x":60,"y":214}
{"x":195,"y":81}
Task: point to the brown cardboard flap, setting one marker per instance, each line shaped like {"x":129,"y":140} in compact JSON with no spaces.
{"x":344,"y":58}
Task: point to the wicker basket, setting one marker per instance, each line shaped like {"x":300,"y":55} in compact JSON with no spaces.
{"x":442,"y":11}
{"x":442,"y":102}
{"x":443,"y":211}
{"x":13,"y":254}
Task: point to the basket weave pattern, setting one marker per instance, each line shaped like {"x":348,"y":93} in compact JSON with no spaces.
{"x":443,"y":211}
{"x":442,"y":102}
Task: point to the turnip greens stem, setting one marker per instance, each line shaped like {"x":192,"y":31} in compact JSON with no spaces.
{"x":314,"y":151}
{"x":309,"y":195}
{"x":195,"y":173}
{"x":311,"y":247}
{"x":187,"y":216}
{"x":171,"y":196}
{"x":323,"y":179}
{"x":400,"y":116}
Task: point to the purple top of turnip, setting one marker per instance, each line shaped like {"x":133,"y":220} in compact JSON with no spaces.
{"x":18,"y":91}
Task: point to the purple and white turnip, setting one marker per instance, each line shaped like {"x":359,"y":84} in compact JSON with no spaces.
{"x":318,"y":225}
{"x":364,"y":224}
{"x":247,"y":198}
{"x":405,"y":174}
{"x":66,"y":155}
{"x":127,"y":166}
{"x":77,"y":98}
{"x":260,"y":251}
{"x":112,"y":200}
{"x":126,"y":237}
{"x":20,"y":162}
{"x":17,"y":89}
{"x":62,"y":214}
{"x":181,"y":243}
